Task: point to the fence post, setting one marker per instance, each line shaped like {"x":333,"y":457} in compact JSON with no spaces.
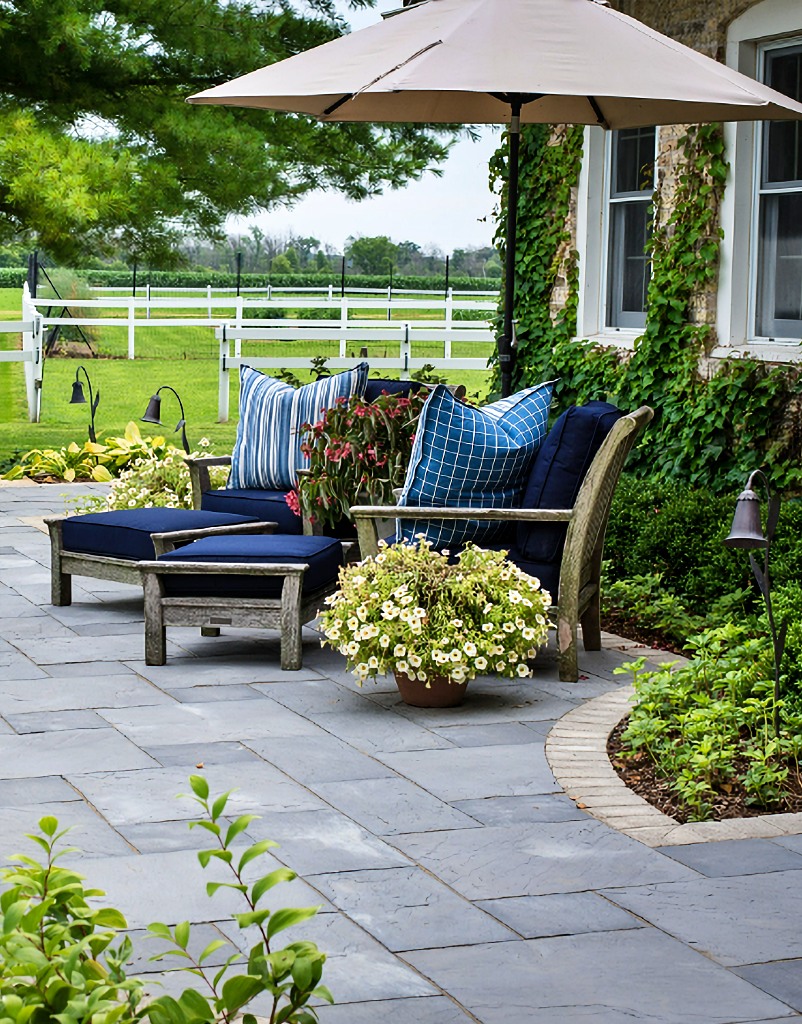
{"x":147,"y":296}
{"x":209,"y":299}
{"x":32,"y":341}
{"x":331,"y":292}
{"x":131,"y":328}
{"x":343,"y":324}
{"x":222,"y":383}
{"x":449,"y":321}
{"x":406,"y":352}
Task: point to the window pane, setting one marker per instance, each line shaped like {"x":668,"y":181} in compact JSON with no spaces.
{"x":629,"y":264}
{"x":633,"y":160}
{"x":783,"y":160}
{"x":780,"y":293}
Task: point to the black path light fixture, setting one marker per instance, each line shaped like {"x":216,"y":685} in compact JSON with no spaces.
{"x":747,"y":532}
{"x":153,"y":414}
{"x":79,"y":399}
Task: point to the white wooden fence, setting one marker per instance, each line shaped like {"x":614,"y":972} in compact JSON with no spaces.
{"x":32,"y":353}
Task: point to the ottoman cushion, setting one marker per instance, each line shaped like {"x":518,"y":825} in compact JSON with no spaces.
{"x":126,"y":532}
{"x":266,"y":506}
{"x":323,"y":555}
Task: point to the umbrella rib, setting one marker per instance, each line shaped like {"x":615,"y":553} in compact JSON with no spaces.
{"x":378,"y":78}
{"x":602,"y":120}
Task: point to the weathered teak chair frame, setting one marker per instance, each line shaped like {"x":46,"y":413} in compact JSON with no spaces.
{"x":64,"y":564}
{"x":579,"y":599}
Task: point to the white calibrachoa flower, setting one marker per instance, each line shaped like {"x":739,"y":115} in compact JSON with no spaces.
{"x":410,"y":611}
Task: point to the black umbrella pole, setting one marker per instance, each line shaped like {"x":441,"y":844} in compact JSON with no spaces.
{"x":505,"y":351}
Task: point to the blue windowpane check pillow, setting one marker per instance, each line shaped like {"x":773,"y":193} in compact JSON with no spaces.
{"x":267,"y":454}
{"x":472,"y":458}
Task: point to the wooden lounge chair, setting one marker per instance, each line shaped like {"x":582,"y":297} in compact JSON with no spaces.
{"x":579,"y":592}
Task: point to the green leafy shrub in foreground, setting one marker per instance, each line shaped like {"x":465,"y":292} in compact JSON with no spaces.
{"x":51,"y":940}
{"x":709,"y":723}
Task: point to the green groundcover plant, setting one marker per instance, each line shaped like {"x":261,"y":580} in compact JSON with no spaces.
{"x":52,"y":939}
{"x":708,"y":723}
{"x":415,"y":611}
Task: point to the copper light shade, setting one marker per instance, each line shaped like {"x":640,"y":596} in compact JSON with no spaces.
{"x":747,"y":528}
{"x":78,"y":398}
{"x":153,"y":414}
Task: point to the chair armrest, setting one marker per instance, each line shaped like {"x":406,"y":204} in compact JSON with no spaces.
{"x":223,"y":568}
{"x":199,"y":474}
{"x":210,"y":460}
{"x":517,"y":515}
{"x":166,"y":542}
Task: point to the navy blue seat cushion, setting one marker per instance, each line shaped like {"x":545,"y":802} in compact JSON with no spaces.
{"x":266,"y":506}
{"x":375,"y":388}
{"x":323,"y":555}
{"x":560,"y":467}
{"x":126,"y":533}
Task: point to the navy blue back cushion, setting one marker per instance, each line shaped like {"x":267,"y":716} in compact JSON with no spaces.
{"x":375,"y":388}
{"x":126,"y":533}
{"x":323,"y":555}
{"x":557,"y":475}
{"x":266,"y":506}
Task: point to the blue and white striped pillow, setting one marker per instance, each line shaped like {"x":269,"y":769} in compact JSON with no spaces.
{"x":267,"y":454}
{"x":465,"y":457}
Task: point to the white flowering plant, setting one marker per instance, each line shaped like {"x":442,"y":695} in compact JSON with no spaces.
{"x":160,"y":480}
{"x":418,"y":612}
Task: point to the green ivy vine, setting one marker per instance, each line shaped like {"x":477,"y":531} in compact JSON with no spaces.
{"x":711,"y":428}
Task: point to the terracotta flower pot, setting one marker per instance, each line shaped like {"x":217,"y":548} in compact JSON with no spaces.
{"x":441,"y":692}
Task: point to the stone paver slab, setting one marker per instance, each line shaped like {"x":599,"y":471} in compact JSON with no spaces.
{"x":93,"y":836}
{"x":734,"y":921}
{"x":55,"y":721}
{"x":606,"y":977}
{"x":392,"y":806}
{"x":182,"y":672}
{"x":208,"y":722}
{"x":434,"y":1010}
{"x":197,"y":754}
{"x":538,"y":859}
{"x":71,"y":752}
{"x":485,"y":704}
{"x":405,"y":908}
{"x":783,"y":980}
{"x":505,"y":734}
{"x":466,"y":773}
{"x":74,"y":693}
{"x":134,"y":797}
{"x":318,"y":757}
{"x":575,"y":913}
{"x":735,"y":857}
{"x":521,"y":810}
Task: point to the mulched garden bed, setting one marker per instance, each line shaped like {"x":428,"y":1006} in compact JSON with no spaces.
{"x":638,"y":772}
{"x":632,"y":630}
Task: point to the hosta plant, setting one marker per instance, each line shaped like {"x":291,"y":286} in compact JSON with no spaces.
{"x":358,"y":448}
{"x":417,"y":612}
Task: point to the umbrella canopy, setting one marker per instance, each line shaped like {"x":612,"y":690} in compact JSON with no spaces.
{"x":499,"y":61}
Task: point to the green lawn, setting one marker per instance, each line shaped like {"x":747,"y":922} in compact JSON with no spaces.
{"x":184,"y":358}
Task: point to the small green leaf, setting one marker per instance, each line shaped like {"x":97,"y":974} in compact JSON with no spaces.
{"x":302,"y":973}
{"x":14,"y":915}
{"x":182,"y":934}
{"x":200,"y":787}
{"x":219,"y":805}
{"x":267,"y":883}
{"x":212,"y":887}
{"x":321,"y":992}
{"x":213,"y":946}
{"x":240,"y":990}
{"x":252,"y":917}
{"x":195,"y":1003}
{"x":256,"y":851}
{"x":286,"y":918}
{"x":108,"y":917}
{"x":239,"y":826}
{"x":161,"y":930}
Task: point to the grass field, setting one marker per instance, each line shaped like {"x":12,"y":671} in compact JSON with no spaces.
{"x":125,"y":385}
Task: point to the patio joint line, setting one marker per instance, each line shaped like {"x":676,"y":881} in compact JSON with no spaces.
{"x":576,"y":750}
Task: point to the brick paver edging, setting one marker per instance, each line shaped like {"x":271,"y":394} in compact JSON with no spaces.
{"x":576,"y":749}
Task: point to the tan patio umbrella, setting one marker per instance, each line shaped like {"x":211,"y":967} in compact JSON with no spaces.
{"x":499,"y":61}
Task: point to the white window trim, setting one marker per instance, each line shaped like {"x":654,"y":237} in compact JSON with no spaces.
{"x":593,"y":242}
{"x":766,"y":25}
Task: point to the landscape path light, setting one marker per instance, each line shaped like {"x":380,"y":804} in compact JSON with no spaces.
{"x":153,"y":414}
{"x":79,"y":399}
{"x":747,"y":532}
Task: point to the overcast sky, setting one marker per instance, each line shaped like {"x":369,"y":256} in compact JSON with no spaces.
{"x":446,"y":212}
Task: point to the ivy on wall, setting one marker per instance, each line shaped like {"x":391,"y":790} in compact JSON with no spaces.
{"x":710,"y":428}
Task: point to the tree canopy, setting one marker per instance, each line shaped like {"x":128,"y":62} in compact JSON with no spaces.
{"x":100,"y":153}
{"x":372,"y":255}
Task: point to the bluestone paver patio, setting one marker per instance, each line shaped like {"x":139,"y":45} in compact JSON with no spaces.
{"x":457,"y":881}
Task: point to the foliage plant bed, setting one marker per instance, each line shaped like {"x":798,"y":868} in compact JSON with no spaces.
{"x":622,"y":625}
{"x":640,"y":774}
